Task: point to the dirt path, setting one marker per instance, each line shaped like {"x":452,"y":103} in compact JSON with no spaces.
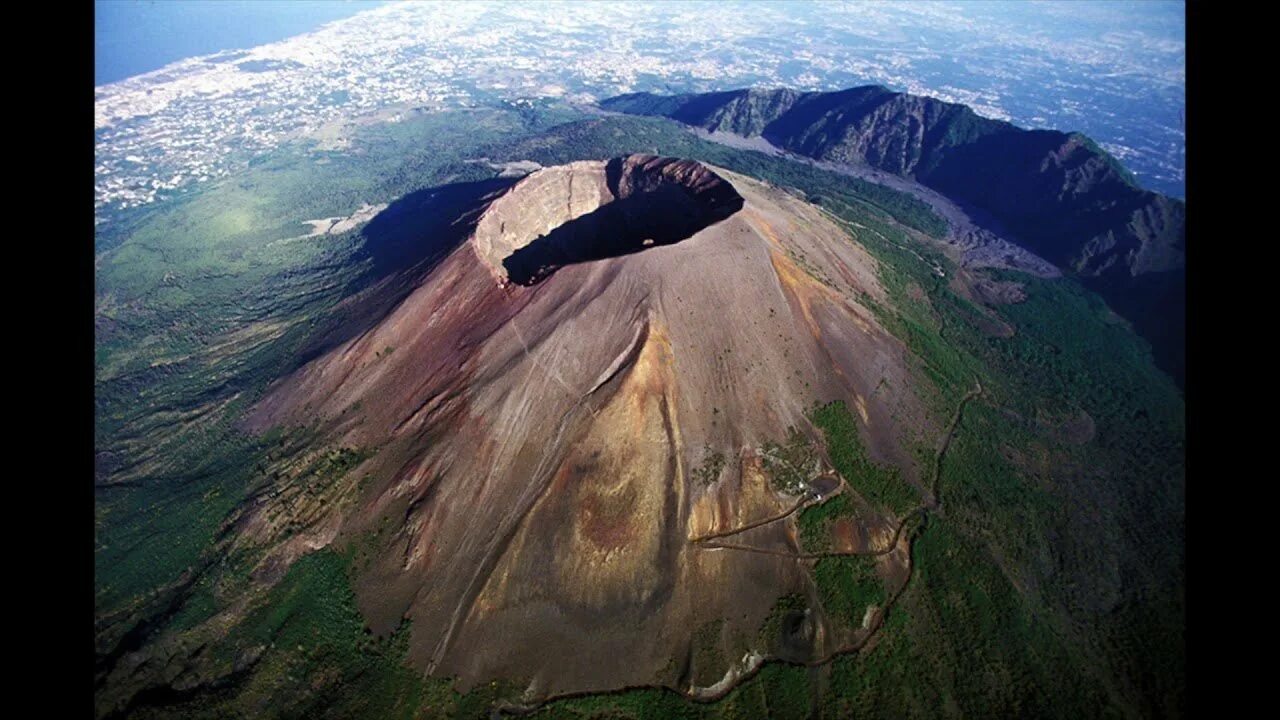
{"x":804,"y":501}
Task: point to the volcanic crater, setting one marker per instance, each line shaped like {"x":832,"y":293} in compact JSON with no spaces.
{"x":557,"y":379}
{"x":593,"y":210}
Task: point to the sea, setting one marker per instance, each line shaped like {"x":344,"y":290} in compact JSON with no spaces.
{"x":132,"y":37}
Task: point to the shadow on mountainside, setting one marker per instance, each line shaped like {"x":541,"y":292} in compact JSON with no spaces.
{"x":401,"y":245}
{"x":418,"y":230}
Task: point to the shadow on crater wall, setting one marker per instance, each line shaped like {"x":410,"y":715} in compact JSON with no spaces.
{"x":650,"y":211}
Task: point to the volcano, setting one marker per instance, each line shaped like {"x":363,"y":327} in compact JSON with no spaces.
{"x":561,"y":402}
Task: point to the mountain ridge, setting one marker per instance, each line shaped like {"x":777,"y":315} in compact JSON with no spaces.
{"x":1062,"y":196}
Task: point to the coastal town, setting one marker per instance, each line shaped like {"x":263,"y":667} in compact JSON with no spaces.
{"x":200,"y":119}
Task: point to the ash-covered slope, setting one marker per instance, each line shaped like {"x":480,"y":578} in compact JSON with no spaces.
{"x":1060,"y":195}
{"x":547,"y":404}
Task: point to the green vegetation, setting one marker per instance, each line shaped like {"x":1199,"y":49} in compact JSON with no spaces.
{"x":128,"y":563}
{"x":816,"y":520}
{"x":793,"y":465}
{"x":312,"y":613}
{"x":963,"y":638}
{"x":314,"y":658}
{"x":881,"y":485}
{"x":771,"y":629}
{"x":1010,"y":576}
{"x":712,"y":466}
{"x":785,"y":690}
{"x":311,"y":656}
{"x":847,"y":586}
